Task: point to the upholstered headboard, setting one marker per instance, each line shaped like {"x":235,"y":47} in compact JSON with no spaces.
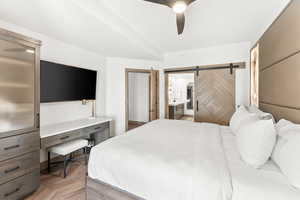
{"x":279,"y":66}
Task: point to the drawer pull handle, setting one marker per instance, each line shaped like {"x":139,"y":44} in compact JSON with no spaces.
{"x":11,"y":147}
{"x":12,"y":192}
{"x":63,"y":138}
{"x":97,"y":128}
{"x":11,"y":170}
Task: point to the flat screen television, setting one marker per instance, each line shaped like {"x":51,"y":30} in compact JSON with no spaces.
{"x":66,"y":83}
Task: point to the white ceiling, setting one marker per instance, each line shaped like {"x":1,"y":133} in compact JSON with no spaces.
{"x":139,"y":29}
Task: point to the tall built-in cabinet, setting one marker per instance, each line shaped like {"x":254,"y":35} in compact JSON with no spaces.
{"x":19,"y":115}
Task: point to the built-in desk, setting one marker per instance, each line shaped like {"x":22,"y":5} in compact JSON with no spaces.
{"x":97,"y":129}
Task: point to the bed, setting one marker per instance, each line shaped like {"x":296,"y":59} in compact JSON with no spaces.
{"x":170,"y":159}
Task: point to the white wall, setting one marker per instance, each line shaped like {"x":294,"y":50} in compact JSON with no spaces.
{"x":179,"y":89}
{"x":115,"y":90}
{"x":111,"y":72}
{"x":239,"y":52}
{"x":57,"y":51}
{"x":138,"y":96}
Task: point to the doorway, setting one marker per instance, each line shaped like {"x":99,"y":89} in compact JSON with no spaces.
{"x":142,"y":97}
{"x":213,"y":91}
{"x":181,"y":96}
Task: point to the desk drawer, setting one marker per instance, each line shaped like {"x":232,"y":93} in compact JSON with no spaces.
{"x":20,"y":187}
{"x":101,"y":136}
{"x":61,"y":138}
{"x":19,"y":166}
{"x":96,"y":128}
{"x":17,"y":145}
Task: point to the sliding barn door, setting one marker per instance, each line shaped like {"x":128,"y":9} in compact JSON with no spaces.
{"x":154,"y":95}
{"x":214,"y":96}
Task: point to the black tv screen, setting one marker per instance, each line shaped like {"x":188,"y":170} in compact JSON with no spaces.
{"x":66,"y":83}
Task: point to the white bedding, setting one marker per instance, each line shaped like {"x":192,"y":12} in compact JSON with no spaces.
{"x":182,"y":160}
{"x":165,"y":160}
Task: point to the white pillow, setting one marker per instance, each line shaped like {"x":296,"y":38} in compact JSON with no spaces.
{"x":255,"y":140}
{"x":260,"y":113}
{"x":241,"y":114}
{"x":287,"y":156}
{"x":287,"y":151}
{"x":286,"y":128}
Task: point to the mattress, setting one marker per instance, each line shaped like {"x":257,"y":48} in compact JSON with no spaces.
{"x":169,"y":159}
{"x":165,"y":159}
{"x":255,"y":184}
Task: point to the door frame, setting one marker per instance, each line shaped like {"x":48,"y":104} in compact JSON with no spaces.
{"x":166,"y":75}
{"x":134,"y":70}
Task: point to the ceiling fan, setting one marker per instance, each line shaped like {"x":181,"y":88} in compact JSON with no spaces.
{"x":178,"y":6}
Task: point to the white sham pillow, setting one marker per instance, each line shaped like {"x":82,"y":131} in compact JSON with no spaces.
{"x":287,"y":151}
{"x":286,"y":128}
{"x":241,"y":114}
{"x":260,"y":113}
{"x":255,"y":140}
{"x":287,"y":156}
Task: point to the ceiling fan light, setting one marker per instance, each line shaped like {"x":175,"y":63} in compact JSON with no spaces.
{"x":179,"y":7}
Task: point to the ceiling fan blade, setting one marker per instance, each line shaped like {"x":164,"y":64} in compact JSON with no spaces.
{"x":162,"y":2}
{"x":189,"y":1}
{"x":180,"y":23}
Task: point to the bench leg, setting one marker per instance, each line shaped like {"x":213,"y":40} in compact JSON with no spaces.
{"x":65,"y":166}
{"x":49,"y":161}
{"x":85,"y":155}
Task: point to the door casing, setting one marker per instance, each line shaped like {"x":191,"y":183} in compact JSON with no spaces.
{"x":153,"y":96}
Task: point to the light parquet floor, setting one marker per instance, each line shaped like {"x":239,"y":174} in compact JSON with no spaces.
{"x":54,"y":187}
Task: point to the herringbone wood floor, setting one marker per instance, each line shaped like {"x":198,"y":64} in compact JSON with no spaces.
{"x":54,"y":187}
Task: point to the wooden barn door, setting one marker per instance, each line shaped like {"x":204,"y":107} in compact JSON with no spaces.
{"x":214,"y":96}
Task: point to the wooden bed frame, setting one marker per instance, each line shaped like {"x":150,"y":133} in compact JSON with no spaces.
{"x":97,"y":190}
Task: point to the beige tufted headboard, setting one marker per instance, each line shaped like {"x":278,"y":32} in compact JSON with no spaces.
{"x":279,"y":66}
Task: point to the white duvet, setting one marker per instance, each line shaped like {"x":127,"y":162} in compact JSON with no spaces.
{"x":165,"y":160}
{"x":181,"y":160}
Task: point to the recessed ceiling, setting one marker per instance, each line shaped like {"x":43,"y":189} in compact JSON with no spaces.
{"x":139,"y":29}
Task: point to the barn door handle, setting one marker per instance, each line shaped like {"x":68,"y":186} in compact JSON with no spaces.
{"x":197,"y":105}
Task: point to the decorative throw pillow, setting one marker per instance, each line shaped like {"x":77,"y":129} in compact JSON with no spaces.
{"x":260,"y":113}
{"x":241,"y":114}
{"x":255,"y":140}
{"x":287,"y":151}
{"x":286,"y":155}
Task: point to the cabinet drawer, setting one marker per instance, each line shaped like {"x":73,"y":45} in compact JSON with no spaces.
{"x":20,"y":187}
{"x":61,"y":138}
{"x":19,"y":166}
{"x":96,"y":128}
{"x":17,"y":145}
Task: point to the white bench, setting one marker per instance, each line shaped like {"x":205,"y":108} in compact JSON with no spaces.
{"x":65,"y":150}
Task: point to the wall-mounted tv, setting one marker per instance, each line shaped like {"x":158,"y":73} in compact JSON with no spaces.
{"x":66,"y":83}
